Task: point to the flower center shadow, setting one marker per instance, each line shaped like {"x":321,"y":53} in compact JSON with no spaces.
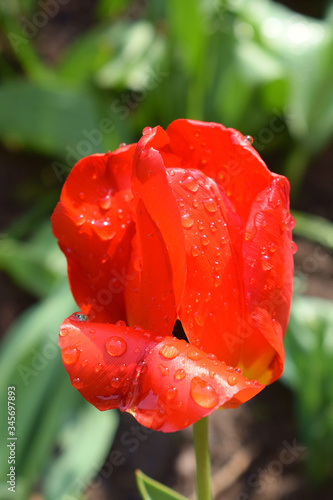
{"x":178,"y":331}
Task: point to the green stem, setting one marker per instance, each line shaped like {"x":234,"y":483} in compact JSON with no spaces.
{"x":202,"y":457}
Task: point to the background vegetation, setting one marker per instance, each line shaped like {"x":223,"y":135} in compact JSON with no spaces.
{"x":82,"y":77}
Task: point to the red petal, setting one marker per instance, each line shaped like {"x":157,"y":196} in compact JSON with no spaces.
{"x":268,"y":274}
{"x":159,"y":257}
{"x":223,"y":154}
{"x":213,"y":298}
{"x":94,"y":225}
{"x":166,"y":384}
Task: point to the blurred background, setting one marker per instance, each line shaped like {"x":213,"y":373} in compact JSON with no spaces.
{"x":79,"y":77}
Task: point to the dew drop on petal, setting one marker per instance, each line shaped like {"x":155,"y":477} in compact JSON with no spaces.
{"x":203,"y":393}
{"x":115,"y":346}
{"x":63,"y":332}
{"x":190,"y":184}
{"x":122,"y":144}
{"x":294,"y":247}
{"x":98,"y":367}
{"x":171,"y":393}
{"x":210,"y":205}
{"x":80,"y":219}
{"x":232,"y":380}
{"x":198,"y":318}
{"x":249,"y":138}
{"x":105,"y":202}
{"x":180,"y":374}
{"x":204,"y":239}
{"x":195,"y":251}
{"x":266,"y":262}
{"x":120,"y":323}
{"x":195,"y":355}
{"x":79,"y":317}
{"x":164,"y":369}
{"x":187,"y":221}
{"x":169,"y":351}
{"x":195,"y":203}
{"x":250,"y":233}
{"x":147,"y":130}
{"x":84,"y":363}
{"x":77,"y":383}
{"x":70,"y":355}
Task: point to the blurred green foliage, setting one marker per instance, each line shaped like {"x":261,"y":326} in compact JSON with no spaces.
{"x":262,"y":69}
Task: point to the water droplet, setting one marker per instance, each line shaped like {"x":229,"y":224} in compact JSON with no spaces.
{"x":290,"y":222}
{"x":204,"y":239}
{"x":80,"y":220}
{"x":250,"y":233}
{"x":120,"y":323}
{"x":70,"y":355}
{"x":266,"y":262}
{"x":238,"y":370}
{"x":212,"y":374}
{"x":198,"y":318}
{"x":195,"y":251}
{"x":122,"y":144}
{"x":187,"y":221}
{"x":294,"y":247}
{"x":249,"y":138}
{"x":164,"y":369}
{"x":210,"y":205}
{"x":105,"y":202}
{"x":63,"y":332}
{"x":217,"y":281}
{"x":169,"y":351}
{"x":201,"y":225}
{"x":195,"y":203}
{"x":98,"y":367}
{"x":120,"y":213}
{"x":84,"y":363}
{"x":79,"y":317}
{"x":190,"y":184}
{"x":115,"y":346}
{"x":212,"y":227}
{"x":116,"y":382}
{"x":180,"y":374}
{"x":77,"y":383}
{"x":203,"y":393}
{"x":171,"y":172}
{"x":147,"y":130}
{"x":171,"y":393}
{"x":232,"y":380}
{"x":195,"y":355}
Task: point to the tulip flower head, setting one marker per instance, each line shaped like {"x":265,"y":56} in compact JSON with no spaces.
{"x":190,"y":226}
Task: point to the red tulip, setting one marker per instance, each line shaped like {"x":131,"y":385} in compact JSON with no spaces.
{"x":186,"y":224}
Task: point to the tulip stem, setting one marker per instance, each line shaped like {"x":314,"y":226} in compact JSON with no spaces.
{"x":202,"y":458}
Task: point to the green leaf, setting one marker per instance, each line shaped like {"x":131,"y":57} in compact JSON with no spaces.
{"x":85,"y":441}
{"x":51,"y":121}
{"x":36,"y":265}
{"x":314,"y":228}
{"x":153,"y":490}
{"x":309,"y":372}
{"x":138,"y":53}
{"x":30,"y":360}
